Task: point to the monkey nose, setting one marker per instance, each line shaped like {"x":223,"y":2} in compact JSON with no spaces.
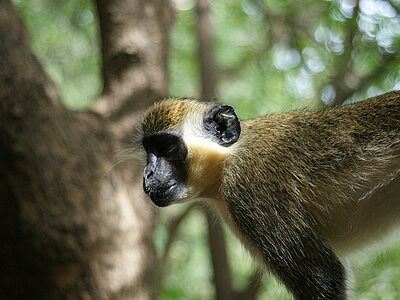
{"x":148,"y":174}
{"x":150,"y":166}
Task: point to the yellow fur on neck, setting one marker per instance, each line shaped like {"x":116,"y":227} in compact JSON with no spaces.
{"x":205,"y":162}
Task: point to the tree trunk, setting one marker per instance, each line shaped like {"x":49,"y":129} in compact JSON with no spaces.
{"x":71,"y":226}
{"x":216,"y":236}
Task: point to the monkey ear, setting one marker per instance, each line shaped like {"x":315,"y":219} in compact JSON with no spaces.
{"x":223,"y":124}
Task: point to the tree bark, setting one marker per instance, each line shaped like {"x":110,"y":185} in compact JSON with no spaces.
{"x":135,"y":39}
{"x":71,"y":226}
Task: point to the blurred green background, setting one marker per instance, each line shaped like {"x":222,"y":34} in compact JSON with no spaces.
{"x":271,"y":56}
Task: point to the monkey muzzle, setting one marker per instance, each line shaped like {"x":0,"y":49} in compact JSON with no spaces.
{"x":161,"y":182}
{"x":162,"y":194}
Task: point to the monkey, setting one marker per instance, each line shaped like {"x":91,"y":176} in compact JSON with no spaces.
{"x":301,"y":189}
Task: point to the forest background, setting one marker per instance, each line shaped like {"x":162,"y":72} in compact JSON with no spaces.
{"x":261,"y":56}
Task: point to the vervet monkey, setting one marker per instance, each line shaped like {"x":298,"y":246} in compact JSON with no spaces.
{"x":300,"y":189}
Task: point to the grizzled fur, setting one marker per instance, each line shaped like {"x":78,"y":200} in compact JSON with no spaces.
{"x":168,"y":114}
{"x":300,"y":189}
{"x":302,"y":166}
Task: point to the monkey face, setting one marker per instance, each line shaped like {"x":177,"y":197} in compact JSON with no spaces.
{"x":186,"y":143}
{"x":165,"y":173}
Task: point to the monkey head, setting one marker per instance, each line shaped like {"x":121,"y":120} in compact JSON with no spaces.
{"x":186,"y":142}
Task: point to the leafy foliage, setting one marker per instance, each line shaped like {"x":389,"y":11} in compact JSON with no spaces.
{"x":271,"y":56}
{"x":276,"y":55}
{"x":64,"y":38}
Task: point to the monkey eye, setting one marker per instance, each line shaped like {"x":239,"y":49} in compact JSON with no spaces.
{"x":161,"y":149}
{"x":167,"y":149}
{"x":164,"y":145}
{"x":223,"y":124}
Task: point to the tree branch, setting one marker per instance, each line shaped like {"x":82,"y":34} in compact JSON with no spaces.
{"x":132,"y":74}
{"x":379,"y":71}
{"x":394,"y":6}
{"x":206,"y":50}
{"x":344,"y":62}
{"x":219,"y":258}
{"x":218,"y":253}
{"x":172,"y":229}
{"x":344,"y":92}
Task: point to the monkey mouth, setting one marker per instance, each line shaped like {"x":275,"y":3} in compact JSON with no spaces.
{"x":165,"y":196}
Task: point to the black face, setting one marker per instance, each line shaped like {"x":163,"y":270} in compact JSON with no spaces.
{"x":165,"y":174}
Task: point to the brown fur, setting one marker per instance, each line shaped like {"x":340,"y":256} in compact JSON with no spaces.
{"x":321,"y":159}
{"x":168,"y":114}
{"x":299,"y":188}
{"x":316,"y":182}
